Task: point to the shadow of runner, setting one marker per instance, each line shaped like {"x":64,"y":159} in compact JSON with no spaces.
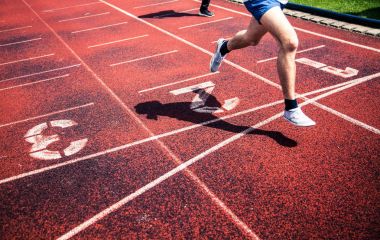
{"x":168,"y":13}
{"x":182,"y":111}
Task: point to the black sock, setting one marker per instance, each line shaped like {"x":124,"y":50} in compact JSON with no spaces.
{"x":223,"y":49}
{"x":290,"y":104}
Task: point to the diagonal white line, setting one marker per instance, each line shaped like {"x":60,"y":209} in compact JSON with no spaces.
{"x":25,"y":41}
{"x":88,"y":16}
{"x":32,"y":83}
{"x":121,"y":40}
{"x":13,"y":29}
{"x":203,"y":23}
{"x":38,"y":73}
{"x":74,"y":6}
{"x":101,"y":27}
{"x":155,"y":4}
{"x":143,"y":58}
{"x":27,"y":59}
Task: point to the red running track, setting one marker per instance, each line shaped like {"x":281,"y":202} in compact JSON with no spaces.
{"x":100,"y":139}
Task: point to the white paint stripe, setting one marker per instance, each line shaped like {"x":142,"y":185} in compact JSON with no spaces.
{"x":155,"y":4}
{"x":27,"y":59}
{"x":38,"y":73}
{"x":203,"y":23}
{"x":101,"y":27}
{"x":305,"y":50}
{"x":88,"y":16}
{"x":32,"y":83}
{"x":182,"y":167}
{"x":121,"y":40}
{"x":192,"y":88}
{"x":74,"y":6}
{"x":13,"y":29}
{"x":14,"y":43}
{"x":44,"y":115}
{"x":267,"y":81}
{"x":182,"y":81}
{"x":173,"y":13}
{"x":304,"y":30}
{"x":143,"y":58}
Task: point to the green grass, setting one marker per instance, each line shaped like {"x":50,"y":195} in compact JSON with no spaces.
{"x":368,"y":9}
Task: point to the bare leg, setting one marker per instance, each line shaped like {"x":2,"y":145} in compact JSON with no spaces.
{"x":249,"y":37}
{"x":277,"y":24}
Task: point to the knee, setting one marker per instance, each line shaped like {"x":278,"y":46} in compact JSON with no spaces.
{"x":290,"y":44}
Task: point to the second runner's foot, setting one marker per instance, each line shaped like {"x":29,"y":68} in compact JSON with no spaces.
{"x":205,"y":13}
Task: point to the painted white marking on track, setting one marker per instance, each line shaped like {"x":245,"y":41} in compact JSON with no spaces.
{"x":27,"y":59}
{"x":182,"y":81}
{"x":32,"y":83}
{"x":117,"y":41}
{"x":301,"y":51}
{"x":19,"y":42}
{"x":38,"y":73}
{"x":204,"y":23}
{"x":305,"y":31}
{"x":14,"y":29}
{"x":74,"y":6}
{"x":100,"y":27}
{"x":155,"y":4}
{"x":192,"y":88}
{"x":46,"y":115}
{"x":143,"y":58}
{"x":87,"y":16}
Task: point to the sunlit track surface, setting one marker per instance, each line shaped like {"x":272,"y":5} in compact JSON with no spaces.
{"x":112,"y":126}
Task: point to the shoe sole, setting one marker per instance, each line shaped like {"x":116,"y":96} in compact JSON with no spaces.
{"x":298,"y":125}
{"x":204,"y":15}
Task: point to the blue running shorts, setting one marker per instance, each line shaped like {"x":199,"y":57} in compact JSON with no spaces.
{"x":259,"y":7}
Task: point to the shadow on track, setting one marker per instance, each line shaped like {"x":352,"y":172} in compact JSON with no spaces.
{"x":168,"y":13}
{"x":182,"y":111}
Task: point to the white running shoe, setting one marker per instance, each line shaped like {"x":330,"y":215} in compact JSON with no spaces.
{"x":217,"y":58}
{"x":298,"y":118}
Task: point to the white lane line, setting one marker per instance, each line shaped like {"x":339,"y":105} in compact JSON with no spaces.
{"x":173,"y":13}
{"x":32,"y":83}
{"x":167,"y":134}
{"x":14,"y":29}
{"x":188,"y":163}
{"x":117,"y":41}
{"x":27,"y":59}
{"x":305,"y":50}
{"x":182,"y":81}
{"x":305,"y":31}
{"x":14,"y":43}
{"x":155,"y":4}
{"x":87,"y":16}
{"x":45,"y":115}
{"x":261,"y":78}
{"x":38,"y":73}
{"x":204,"y":23}
{"x":74,"y":6}
{"x":143,"y":58}
{"x":100,"y":27}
